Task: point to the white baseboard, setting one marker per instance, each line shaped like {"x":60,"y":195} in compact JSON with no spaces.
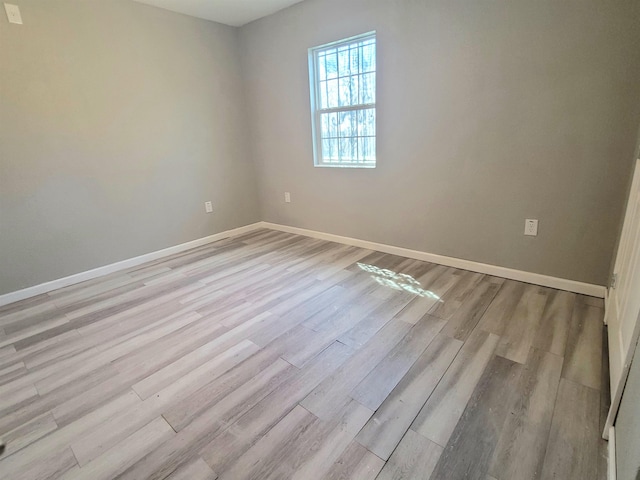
{"x":535,"y":278}
{"x":612,"y":454}
{"x":522,"y":276}
{"x":114,"y":267}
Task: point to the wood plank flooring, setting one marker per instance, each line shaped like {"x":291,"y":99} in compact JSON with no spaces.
{"x":276,"y":356}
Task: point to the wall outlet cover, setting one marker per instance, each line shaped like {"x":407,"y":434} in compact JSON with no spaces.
{"x":531,"y":227}
{"x":13,"y":13}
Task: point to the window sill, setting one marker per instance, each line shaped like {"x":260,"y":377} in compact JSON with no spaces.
{"x":368,"y":167}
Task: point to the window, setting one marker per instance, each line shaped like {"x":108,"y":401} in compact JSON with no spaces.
{"x":343,"y":102}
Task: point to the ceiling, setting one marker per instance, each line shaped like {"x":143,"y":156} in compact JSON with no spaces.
{"x":230,"y":12}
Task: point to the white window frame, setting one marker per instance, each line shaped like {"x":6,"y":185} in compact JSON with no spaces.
{"x":316,"y":112}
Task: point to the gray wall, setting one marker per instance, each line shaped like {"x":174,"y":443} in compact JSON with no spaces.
{"x":489,"y":112}
{"x":117,"y":122}
{"x":628,"y":425}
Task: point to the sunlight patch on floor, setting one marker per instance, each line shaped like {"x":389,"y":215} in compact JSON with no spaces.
{"x":397,"y":281}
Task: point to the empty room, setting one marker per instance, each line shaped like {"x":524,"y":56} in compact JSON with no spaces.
{"x":320,"y":239}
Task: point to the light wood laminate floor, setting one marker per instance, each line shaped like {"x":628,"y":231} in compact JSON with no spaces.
{"x":276,"y":356}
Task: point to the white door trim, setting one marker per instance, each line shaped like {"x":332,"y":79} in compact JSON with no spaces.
{"x":622,"y":308}
{"x":612,"y":454}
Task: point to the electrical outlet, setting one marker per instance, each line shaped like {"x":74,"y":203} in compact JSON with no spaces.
{"x":13,"y":13}
{"x":208,"y":207}
{"x":287,"y":197}
{"x":531,"y":227}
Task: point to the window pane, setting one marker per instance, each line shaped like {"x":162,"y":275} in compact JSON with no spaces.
{"x":370,"y":121}
{"x":371,"y":150}
{"x":322,"y":72}
{"x":345,"y":149}
{"x":332,"y":92}
{"x":355,"y":82}
{"x":333,"y":124}
{"x":368,"y":88}
{"x":329,"y":125}
{"x":344,"y":69}
{"x":322,"y":86}
{"x":332,"y":64}
{"x":330,"y":150}
{"x":345,"y":91}
{"x":366,"y":121}
{"x":326,"y":149}
{"x":349,"y":136}
{"x":324,"y":125}
{"x":353,"y":119}
{"x":346,"y":124}
{"x":362,"y":123}
{"x":369,"y":57}
{"x":361,"y":148}
{"x":366,"y":149}
{"x":354,"y":52}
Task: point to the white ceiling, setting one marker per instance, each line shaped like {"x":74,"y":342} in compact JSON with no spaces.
{"x":231,"y":12}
